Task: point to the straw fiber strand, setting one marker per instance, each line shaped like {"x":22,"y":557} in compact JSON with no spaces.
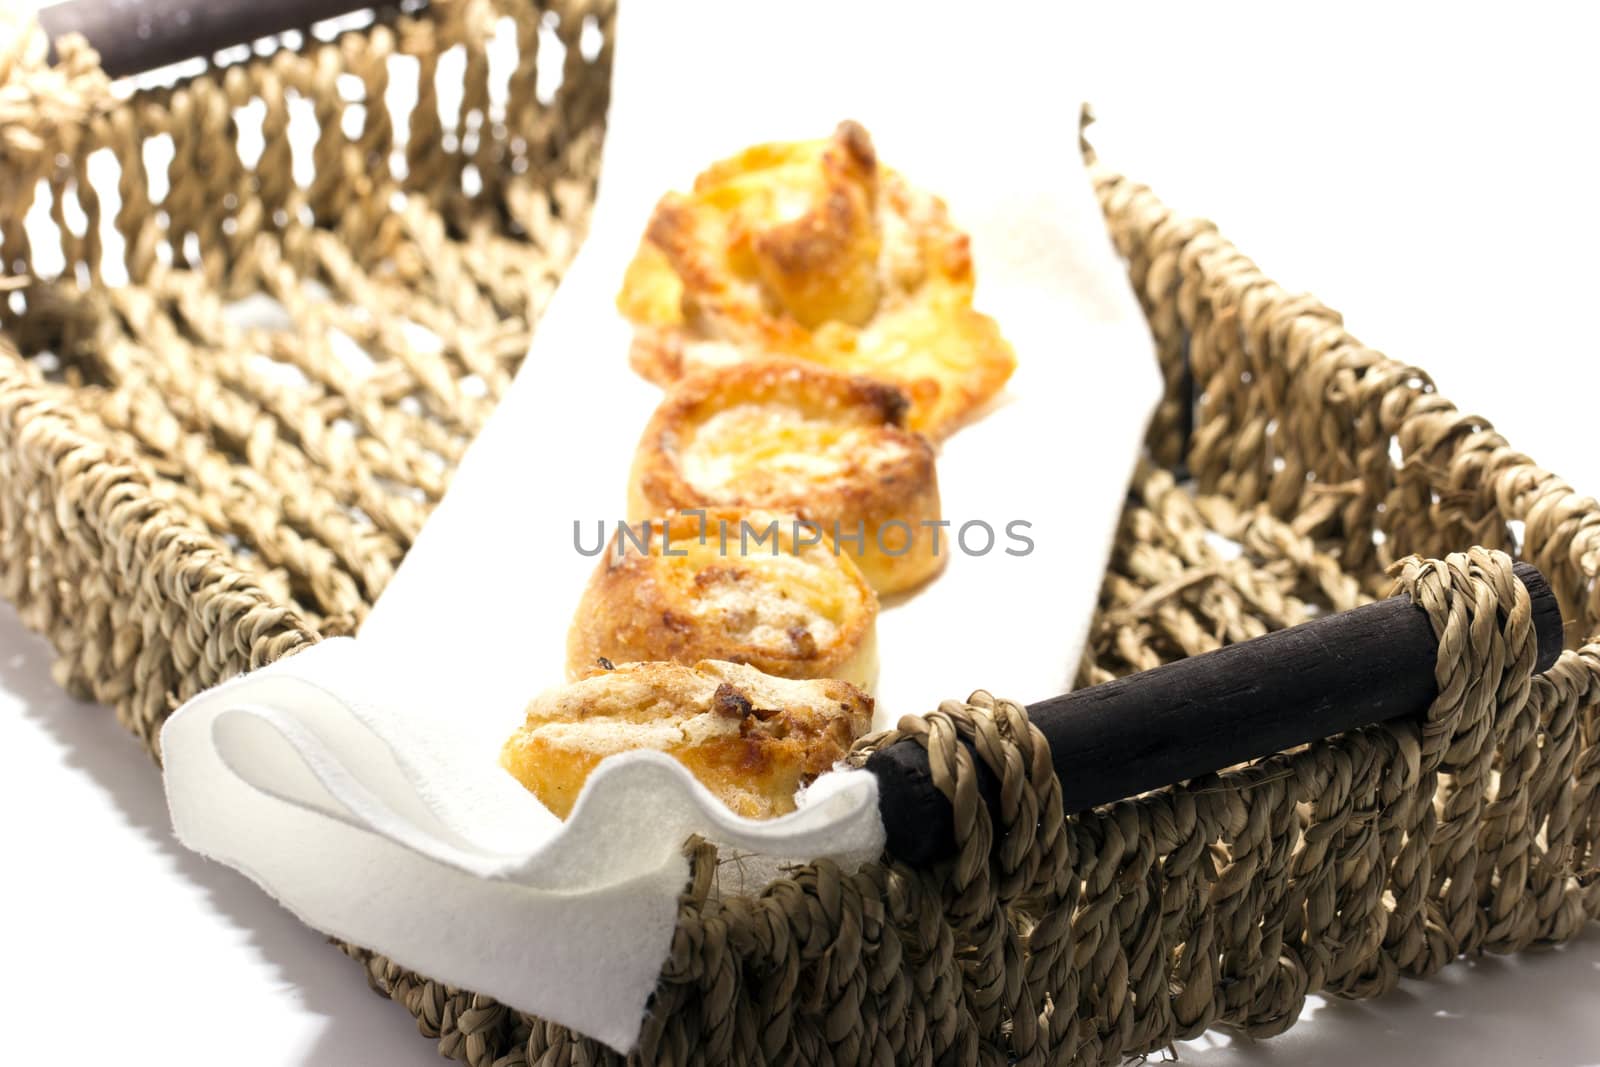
{"x":228,"y":405}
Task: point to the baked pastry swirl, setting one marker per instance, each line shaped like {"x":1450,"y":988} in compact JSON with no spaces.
{"x":689,"y":587}
{"x":813,"y":250}
{"x":752,"y":739}
{"x":795,"y":437}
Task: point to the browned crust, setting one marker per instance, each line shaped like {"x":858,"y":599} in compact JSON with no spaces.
{"x":818,"y":286}
{"x":823,"y":265}
{"x":641,"y":606}
{"x":905,"y":491}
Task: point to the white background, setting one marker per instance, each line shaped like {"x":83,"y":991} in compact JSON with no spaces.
{"x":1430,"y":173}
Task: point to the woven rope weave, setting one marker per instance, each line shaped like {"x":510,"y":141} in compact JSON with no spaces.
{"x":184,"y":495}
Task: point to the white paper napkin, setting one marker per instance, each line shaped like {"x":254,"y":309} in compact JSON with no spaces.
{"x":358,"y":781}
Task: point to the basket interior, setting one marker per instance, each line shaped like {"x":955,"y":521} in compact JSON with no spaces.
{"x":297,"y":345}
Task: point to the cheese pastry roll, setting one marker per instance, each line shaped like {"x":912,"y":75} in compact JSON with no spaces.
{"x":752,"y":739}
{"x":814,"y":250}
{"x":795,"y":437}
{"x":689,"y":587}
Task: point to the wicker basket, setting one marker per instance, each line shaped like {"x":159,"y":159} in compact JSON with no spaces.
{"x":183,"y":497}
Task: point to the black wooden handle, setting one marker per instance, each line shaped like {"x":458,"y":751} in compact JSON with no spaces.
{"x":138,"y":35}
{"x":1203,"y":714}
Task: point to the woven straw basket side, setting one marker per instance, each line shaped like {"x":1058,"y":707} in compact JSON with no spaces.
{"x":184,"y":495}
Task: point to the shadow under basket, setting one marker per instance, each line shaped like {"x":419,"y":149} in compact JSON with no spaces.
{"x":228,"y":404}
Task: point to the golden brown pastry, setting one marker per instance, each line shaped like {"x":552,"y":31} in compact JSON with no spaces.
{"x":812,"y":250}
{"x":795,"y":437}
{"x":752,"y":739}
{"x":682,"y":591}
